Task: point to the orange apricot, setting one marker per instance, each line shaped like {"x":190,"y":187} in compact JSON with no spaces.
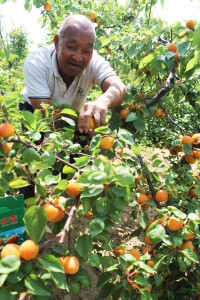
{"x":6,"y":130}
{"x":190,"y":24}
{"x":124,"y":113}
{"x":174,"y":224}
{"x":10,"y":249}
{"x":161,"y":196}
{"x":71,"y":265}
{"x":47,"y":6}
{"x":118,"y":250}
{"x":107,"y":142}
{"x":29,"y":250}
{"x":135,"y":252}
{"x":172,"y":47}
{"x":74,"y":189}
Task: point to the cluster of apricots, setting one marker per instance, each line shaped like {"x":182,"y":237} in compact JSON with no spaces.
{"x":6,"y":131}
{"x":28,"y":250}
{"x":92,"y":16}
{"x":193,"y":140}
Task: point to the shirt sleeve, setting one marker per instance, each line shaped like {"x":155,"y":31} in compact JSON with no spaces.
{"x":35,"y":78}
{"x":101,"y":69}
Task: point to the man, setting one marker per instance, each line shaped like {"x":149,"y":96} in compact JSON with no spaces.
{"x":67,"y":70}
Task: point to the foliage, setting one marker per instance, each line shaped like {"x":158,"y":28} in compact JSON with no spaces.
{"x":112,"y":180}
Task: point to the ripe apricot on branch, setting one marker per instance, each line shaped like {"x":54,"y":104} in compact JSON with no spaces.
{"x":187,"y":245}
{"x":174,"y":224}
{"x":10,"y":249}
{"x":29,"y":250}
{"x":47,"y":6}
{"x":186,"y":139}
{"x":142,"y":199}
{"x":196,"y":138}
{"x":6,"y":130}
{"x":74,"y":189}
{"x":71,"y":265}
{"x":6,"y":148}
{"x":107,"y":142}
{"x":124,"y":113}
{"x":190,"y":24}
{"x":92,"y":15}
{"x":161,"y":196}
{"x":118,"y":250}
{"x":196,"y":154}
{"x":51,"y":211}
{"x":135,"y":253}
{"x":189,"y":158}
{"x":172,"y":47}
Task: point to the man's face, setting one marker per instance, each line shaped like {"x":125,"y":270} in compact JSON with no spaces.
{"x":74,"y":51}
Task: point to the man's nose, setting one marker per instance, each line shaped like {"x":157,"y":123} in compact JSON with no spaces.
{"x":77,"y":56}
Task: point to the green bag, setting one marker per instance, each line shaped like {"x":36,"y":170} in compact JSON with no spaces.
{"x":12,"y":229}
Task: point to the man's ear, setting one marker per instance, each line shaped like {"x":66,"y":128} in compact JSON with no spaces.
{"x":56,"y":40}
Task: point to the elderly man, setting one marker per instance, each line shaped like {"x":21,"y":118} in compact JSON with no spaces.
{"x":67,"y":70}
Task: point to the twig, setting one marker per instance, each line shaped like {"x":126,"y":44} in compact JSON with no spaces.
{"x":61,"y":235}
{"x":163,"y":91}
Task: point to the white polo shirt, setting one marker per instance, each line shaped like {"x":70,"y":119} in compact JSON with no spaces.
{"x":42,"y":79}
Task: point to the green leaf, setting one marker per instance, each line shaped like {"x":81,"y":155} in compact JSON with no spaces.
{"x":9,"y":264}
{"x":190,"y":255}
{"x":191,"y":64}
{"x":49,"y":158}
{"x":35,"y":220}
{"x":139,"y":124}
{"x":97,"y":177}
{"x":6,"y":295}
{"x":83,"y":277}
{"x":29,"y":155}
{"x":196,"y":37}
{"x":147,"y":59}
{"x":131,"y":117}
{"x":102,"y":206}
{"x":18,"y":183}
{"x":95,"y":142}
{"x":37,"y":286}
{"x":123,"y":176}
{"x":92,"y":191}
{"x":75,"y":288}
{"x":156,"y":234}
{"x":135,"y":149}
{"x":126,"y":136}
{"x":94,"y":260}
{"x":183,"y":47}
{"x":96,"y":226}
{"x":69,"y":111}
{"x":84,"y":245}
{"x":108,"y":263}
{"x":81,"y":161}
{"x":28,"y":119}
{"x":105,"y":291}
{"x":2,"y":278}
{"x":50,"y":262}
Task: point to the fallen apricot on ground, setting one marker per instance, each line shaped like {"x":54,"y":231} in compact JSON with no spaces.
{"x":29,"y":250}
{"x":71,"y":265}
